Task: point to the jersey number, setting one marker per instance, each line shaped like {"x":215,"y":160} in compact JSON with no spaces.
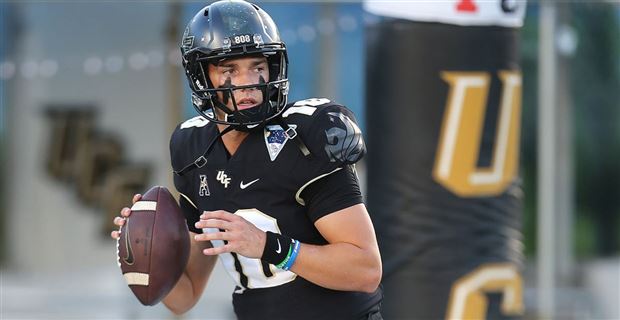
{"x":306,"y":107}
{"x":197,"y":122}
{"x":461,"y":134}
{"x":468,"y":296}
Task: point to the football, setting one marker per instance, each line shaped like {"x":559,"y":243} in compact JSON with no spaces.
{"x":153,"y":247}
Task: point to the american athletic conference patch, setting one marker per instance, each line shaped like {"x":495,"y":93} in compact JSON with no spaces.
{"x":275,"y":140}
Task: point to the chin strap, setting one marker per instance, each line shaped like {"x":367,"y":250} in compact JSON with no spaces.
{"x":201,"y":161}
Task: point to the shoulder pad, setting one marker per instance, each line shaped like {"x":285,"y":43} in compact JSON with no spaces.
{"x":197,"y":122}
{"x":344,"y":141}
{"x":184,"y":139}
{"x":330,"y":130}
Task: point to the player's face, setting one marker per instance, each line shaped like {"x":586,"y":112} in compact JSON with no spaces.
{"x":241,"y":72}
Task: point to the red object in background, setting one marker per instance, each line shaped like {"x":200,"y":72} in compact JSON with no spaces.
{"x":466,"y":6}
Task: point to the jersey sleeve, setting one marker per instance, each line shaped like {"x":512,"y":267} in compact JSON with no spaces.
{"x":336,"y":191}
{"x":335,"y":143}
{"x":183,"y":183}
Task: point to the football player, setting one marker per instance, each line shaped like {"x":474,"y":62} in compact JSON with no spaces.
{"x":267,"y":186}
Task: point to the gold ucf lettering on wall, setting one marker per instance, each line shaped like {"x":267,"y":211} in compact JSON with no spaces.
{"x":468,"y":299}
{"x":92,"y":162}
{"x":461,"y":134}
{"x":456,"y":168}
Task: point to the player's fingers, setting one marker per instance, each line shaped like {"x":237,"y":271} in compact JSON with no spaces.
{"x":136,"y":197}
{"x":213,"y":223}
{"x":217,"y":250}
{"x":219,"y":214}
{"x":213,"y":236}
{"x":119,"y":221}
{"x":115,"y":234}
{"x":125,"y":212}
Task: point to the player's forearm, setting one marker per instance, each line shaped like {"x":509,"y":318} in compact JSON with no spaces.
{"x":182,"y":297}
{"x":193,"y":281}
{"x":339,"y":266}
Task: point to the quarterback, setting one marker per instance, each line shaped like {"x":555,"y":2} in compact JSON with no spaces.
{"x":268,"y":185}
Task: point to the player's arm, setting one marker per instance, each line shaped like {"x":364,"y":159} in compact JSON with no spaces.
{"x":351,"y":261}
{"x":194,"y":279}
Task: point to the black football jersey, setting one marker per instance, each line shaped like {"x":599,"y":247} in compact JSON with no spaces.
{"x":271,"y":183}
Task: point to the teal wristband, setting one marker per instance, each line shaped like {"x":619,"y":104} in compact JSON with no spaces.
{"x":288,"y":257}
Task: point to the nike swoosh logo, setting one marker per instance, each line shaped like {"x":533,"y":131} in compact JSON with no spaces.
{"x":279,"y":247}
{"x":243,"y":186}
{"x":129,"y":258}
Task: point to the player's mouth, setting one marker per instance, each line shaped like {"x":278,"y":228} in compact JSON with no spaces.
{"x":246,"y":103}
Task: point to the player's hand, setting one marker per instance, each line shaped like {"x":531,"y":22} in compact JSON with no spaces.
{"x":242,"y":236}
{"x":125,"y":212}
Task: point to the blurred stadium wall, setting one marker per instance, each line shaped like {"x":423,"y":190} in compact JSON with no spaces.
{"x":112,"y":61}
{"x":76,"y":90}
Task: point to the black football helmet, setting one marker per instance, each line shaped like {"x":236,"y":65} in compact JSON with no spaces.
{"x":230,"y":29}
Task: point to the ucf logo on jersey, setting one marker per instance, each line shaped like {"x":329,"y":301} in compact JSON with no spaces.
{"x":223,"y":178}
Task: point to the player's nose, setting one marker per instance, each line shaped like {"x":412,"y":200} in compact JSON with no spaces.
{"x":247,"y":77}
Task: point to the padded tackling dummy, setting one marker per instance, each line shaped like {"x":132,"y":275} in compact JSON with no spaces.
{"x":443,"y":124}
